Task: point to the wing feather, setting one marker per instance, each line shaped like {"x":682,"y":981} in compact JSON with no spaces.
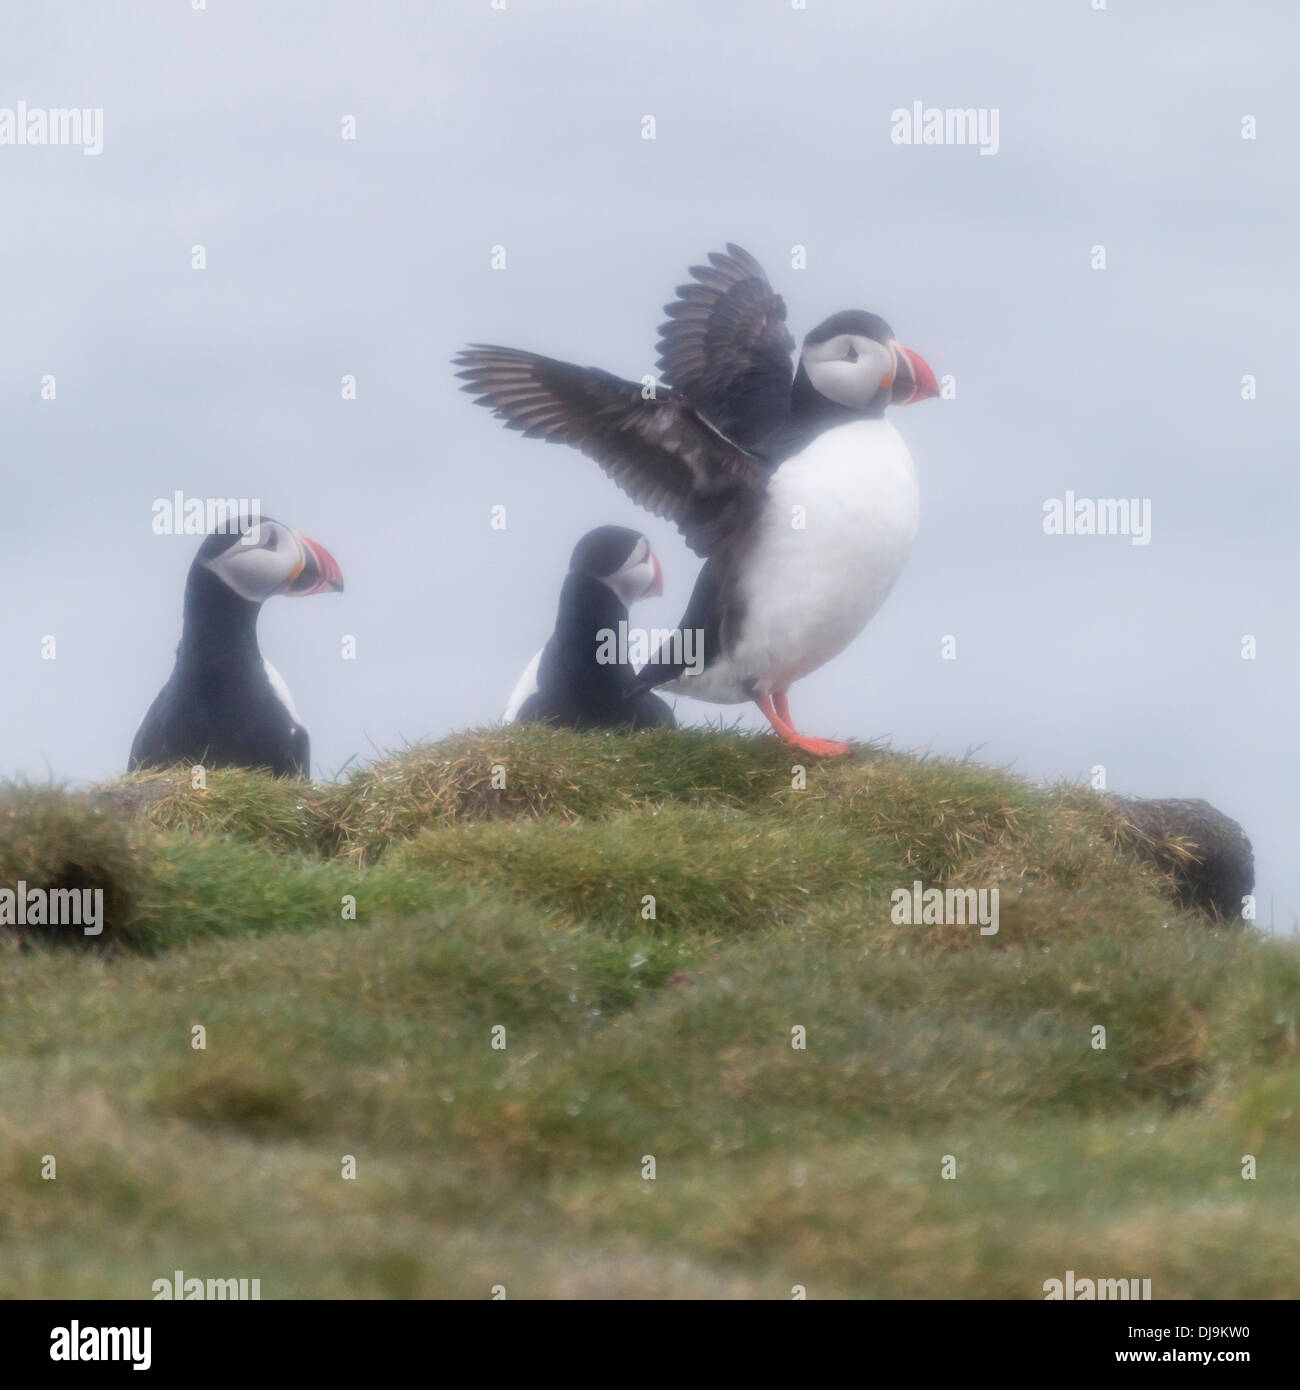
{"x":662,"y":452}
{"x":726,"y":347}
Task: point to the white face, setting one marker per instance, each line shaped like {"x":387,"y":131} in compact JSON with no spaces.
{"x":638,"y":576}
{"x":263,"y":562}
{"x":849,"y":369}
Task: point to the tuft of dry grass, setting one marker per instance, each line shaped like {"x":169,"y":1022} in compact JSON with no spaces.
{"x":278,"y":812}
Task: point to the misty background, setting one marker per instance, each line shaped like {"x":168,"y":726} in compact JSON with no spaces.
{"x":522,"y":128}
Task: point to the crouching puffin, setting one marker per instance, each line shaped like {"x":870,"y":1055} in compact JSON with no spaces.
{"x":797,"y":492}
{"x":224,"y":705}
{"x":577,"y":679}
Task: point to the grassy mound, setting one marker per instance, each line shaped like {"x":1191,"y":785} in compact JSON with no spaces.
{"x":275,"y":812}
{"x":503,"y":971}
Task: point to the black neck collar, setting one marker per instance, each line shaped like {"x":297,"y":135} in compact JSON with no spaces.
{"x":219,"y":627}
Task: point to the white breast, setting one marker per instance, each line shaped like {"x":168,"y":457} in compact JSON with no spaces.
{"x":834,"y":537}
{"x":281,"y":691}
{"x":525,"y":686}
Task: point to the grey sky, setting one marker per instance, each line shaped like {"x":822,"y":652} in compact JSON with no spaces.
{"x":523,"y":128}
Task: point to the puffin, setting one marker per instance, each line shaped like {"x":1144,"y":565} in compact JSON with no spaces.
{"x":224,"y":704}
{"x":789,"y":482}
{"x":576,"y":679}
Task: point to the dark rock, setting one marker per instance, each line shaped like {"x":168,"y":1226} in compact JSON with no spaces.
{"x":1205,"y":853}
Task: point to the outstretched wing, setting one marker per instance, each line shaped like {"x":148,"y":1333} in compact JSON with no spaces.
{"x":726,"y":347}
{"x":662,"y":452}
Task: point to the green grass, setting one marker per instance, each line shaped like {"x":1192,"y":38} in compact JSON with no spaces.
{"x":472,"y":907}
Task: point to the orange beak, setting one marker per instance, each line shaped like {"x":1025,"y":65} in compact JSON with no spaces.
{"x":913,"y":381}
{"x":319,"y":572}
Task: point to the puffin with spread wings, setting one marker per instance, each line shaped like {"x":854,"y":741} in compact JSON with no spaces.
{"x":791,"y":484}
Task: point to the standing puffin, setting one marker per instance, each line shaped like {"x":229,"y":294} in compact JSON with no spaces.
{"x":571,"y":681}
{"x":794,"y":488}
{"x":224,"y":704}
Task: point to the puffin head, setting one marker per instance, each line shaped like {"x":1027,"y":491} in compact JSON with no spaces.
{"x":854,"y":360}
{"x":264,"y":558}
{"x":621,"y":558}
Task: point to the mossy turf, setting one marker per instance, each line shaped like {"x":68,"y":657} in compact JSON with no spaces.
{"x":647,"y":923}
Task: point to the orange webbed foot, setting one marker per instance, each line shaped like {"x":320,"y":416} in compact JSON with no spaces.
{"x":776,"y":710}
{"x":820,"y":747}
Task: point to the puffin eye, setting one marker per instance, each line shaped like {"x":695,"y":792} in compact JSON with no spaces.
{"x":272,"y":540}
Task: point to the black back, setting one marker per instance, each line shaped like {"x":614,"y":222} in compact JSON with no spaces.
{"x":218,"y":707}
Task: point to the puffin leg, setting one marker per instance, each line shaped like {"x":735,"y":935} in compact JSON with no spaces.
{"x":779,"y":719}
{"x":781,"y":703}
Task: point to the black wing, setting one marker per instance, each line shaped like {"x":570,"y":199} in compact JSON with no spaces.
{"x":662,"y":452}
{"x":726,"y":346}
